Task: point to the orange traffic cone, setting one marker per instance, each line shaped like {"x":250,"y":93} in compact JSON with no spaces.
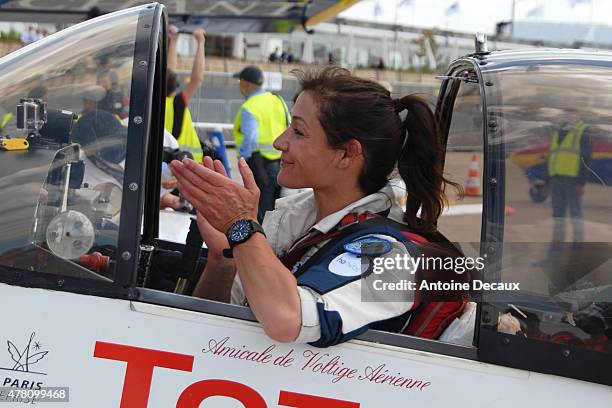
{"x":472,"y":185}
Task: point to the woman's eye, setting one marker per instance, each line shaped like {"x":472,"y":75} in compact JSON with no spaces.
{"x":297,"y":132}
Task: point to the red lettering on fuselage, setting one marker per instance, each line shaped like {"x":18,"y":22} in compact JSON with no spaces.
{"x":199,"y":391}
{"x":139,"y":375}
{"x":139,"y":371}
{"x":293,"y":399}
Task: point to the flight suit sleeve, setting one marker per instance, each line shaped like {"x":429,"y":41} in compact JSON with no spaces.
{"x":346,"y":310}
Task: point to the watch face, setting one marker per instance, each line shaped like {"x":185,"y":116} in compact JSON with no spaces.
{"x":240,"y":231}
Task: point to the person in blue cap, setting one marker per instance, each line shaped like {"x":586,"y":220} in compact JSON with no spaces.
{"x":261,"y":118}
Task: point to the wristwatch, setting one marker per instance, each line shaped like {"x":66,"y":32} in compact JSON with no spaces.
{"x":239,"y":232}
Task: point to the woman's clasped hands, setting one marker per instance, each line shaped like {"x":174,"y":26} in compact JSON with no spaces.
{"x":219,"y":200}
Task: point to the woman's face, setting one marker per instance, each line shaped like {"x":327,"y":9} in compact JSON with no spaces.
{"x":307,"y":159}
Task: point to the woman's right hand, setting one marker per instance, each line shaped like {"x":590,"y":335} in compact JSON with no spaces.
{"x":215,"y":240}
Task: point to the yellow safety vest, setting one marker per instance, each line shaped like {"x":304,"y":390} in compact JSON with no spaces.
{"x":272,"y":118}
{"x":188,"y":139}
{"x":564,"y":157}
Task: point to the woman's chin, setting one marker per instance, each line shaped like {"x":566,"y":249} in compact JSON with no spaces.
{"x":285,"y":180}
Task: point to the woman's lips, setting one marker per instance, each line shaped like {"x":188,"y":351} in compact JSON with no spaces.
{"x":285,"y":161}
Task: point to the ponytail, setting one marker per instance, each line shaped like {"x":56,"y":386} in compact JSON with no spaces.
{"x":421,"y":165}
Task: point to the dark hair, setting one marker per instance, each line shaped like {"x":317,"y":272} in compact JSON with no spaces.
{"x":361,"y":109}
{"x":171,"y":82}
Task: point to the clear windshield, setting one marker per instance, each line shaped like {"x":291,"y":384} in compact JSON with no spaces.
{"x":556,"y":125}
{"x":62,"y":101}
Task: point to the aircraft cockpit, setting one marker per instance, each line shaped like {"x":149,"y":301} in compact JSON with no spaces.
{"x":63,"y":149}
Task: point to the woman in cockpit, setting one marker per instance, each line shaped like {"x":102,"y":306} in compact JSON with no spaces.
{"x":301,"y":271}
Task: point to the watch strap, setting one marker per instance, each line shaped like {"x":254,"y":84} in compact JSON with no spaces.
{"x":255,"y":227}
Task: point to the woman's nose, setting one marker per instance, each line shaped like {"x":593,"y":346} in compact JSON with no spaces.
{"x":280,"y":143}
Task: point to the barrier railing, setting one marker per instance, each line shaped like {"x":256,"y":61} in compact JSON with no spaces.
{"x":226,"y":128}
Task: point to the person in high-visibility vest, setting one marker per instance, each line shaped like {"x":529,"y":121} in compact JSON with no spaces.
{"x":568,"y":158}
{"x":260,"y":119}
{"x":178,"y":119}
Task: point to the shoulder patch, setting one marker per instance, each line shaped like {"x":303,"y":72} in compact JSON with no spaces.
{"x":368,"y":246}
{"x":347,"y":264}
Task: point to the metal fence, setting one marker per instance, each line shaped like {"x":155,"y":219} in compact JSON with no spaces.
{"x":217,"y":110}
{"x":224,"y":106}
{"x":214,"y":110}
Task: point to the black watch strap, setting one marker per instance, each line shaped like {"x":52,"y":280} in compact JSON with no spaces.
{"x":255,"y":227}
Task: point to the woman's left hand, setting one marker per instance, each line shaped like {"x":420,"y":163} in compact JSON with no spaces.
{"x":219,"y":199}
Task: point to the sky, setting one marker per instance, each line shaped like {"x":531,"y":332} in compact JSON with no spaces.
{"x":480,"y":15}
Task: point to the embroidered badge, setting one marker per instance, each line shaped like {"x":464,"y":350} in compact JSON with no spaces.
{"x":368,"y":246}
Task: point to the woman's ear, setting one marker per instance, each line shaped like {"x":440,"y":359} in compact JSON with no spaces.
{"x":351,"y":153}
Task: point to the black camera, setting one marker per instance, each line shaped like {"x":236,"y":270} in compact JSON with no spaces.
{"x":44,"y":126}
